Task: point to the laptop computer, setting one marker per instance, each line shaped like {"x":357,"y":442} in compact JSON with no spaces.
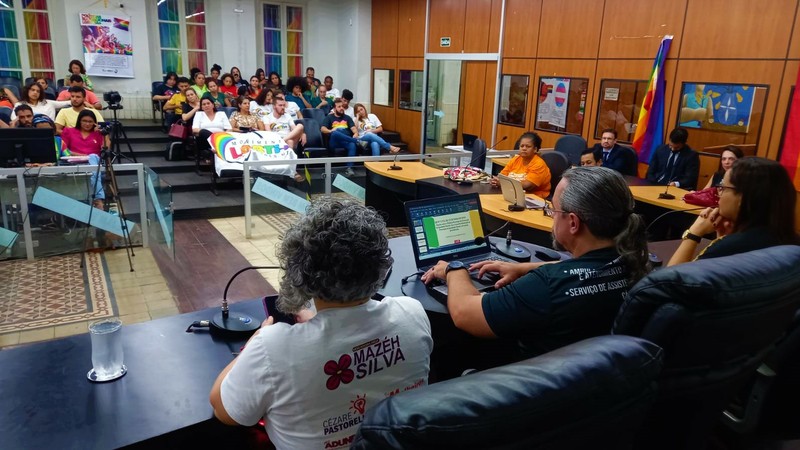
{"x":449,"y":228}
{"x":514,"y":194}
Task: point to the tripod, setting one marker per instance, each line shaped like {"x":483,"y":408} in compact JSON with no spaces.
{"x":117,"y":133}
{"x":106,"y":160}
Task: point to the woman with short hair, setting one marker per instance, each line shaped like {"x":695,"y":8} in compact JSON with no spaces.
{"x":313,"y":381}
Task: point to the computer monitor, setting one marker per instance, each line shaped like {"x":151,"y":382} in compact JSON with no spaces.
{"x":21,"y":146}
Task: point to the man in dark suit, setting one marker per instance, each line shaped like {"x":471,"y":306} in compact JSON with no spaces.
{"x":675,"y":163}
{"x":614,"y":156}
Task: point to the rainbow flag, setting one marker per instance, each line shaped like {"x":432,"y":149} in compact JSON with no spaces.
{"x":650,"y":127}
{"x":790,"y":147}
{"x":122,"y":24}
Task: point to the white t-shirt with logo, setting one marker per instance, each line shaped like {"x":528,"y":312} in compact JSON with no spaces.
{"x":281,"y":125}
{"x":292,"y":109}
{"x":312,"y":382}
{"x":369,"y":125}
{"x":260,"y":111}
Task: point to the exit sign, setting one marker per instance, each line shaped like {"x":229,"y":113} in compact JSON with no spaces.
{"x":444,"y":42}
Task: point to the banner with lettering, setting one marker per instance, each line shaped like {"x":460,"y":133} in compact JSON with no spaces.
{"x":107,"y":49}
{"x":232,"y":149}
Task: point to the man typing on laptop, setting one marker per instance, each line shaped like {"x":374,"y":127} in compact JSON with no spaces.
{"x":547,"y":306}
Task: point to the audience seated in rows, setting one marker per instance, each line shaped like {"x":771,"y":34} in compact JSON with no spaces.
{"x":261,"y":106}
{"x":76,"y":68}
{"x":242,"y":120}
{"x":207,"y":121}
{"x":77,"y":81}
{"x":86,"y":140}
{"x":33,"y":95}
{"x":215,"y":95}
{"x":68,"y":117}
{"x":369,"y":127}
{"x":340,"y":130}
{"x":753,"y":213}
{"x":312,"y":382}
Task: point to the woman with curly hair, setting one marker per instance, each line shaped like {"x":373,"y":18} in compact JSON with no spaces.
{"x":352,"y":353}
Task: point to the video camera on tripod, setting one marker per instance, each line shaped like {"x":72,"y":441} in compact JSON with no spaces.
{"x":113,"y":99}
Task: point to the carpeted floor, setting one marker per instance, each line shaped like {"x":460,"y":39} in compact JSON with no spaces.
{"x":54,"y":291}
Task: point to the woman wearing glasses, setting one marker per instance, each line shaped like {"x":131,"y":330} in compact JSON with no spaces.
{"x":753,"y":213}
{"x":528,"y":167}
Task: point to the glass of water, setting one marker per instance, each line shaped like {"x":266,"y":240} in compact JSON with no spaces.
{"x":106,"y":350}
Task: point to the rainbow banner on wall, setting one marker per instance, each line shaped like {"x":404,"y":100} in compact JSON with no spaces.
{"x":107,"y":48}
{"x":790,"y":147}
{"x":650,"y":127}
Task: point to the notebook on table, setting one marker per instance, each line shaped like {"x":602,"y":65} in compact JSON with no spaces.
{"x":450,"y":229}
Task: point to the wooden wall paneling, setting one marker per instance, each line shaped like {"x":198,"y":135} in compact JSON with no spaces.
{"x":408,"y":122}
{"x":794,"y":48}
{"x":477,"y":25}
{"x":569,"y":68}
{"x":729,"y":71}
{"x":626,"y":69}
{"x":447,"y":20}
{"x":782,"y":107}
{"x":386,"y":114}
{"x":518,"y":67}
{"x":489,"y":91}
{"x":410,"y":28}
{"x":633,"y":29}
{"x":472,"y":101}
{"x":384,"y":27}
{"x":494,"y":26}
{"x":737,"y":29}
{"x":570,"y":28}
{"x":521,"y":32}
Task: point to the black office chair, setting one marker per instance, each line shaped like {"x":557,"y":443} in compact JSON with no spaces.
{"x":5,"y":114}
{"x":591,"y":394}
{"x":557,"y":163}
{"x":633,"y":168}
{"x":313,"y":113}
{"x":716,"y":320}
{"x":228,"y":110}
{"x":11,"y":87}
{"x":572,"y":146}
{"x":50,"y":93}
{"x":478,"y":158}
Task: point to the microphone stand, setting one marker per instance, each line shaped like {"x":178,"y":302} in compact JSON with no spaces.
{"x":499,"y":141}
{"x":394,"y":165}
{"x":227,"y":321}
{"x":666,"y":195}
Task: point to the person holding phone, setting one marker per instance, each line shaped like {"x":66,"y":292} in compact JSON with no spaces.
{"x":312,"y":382}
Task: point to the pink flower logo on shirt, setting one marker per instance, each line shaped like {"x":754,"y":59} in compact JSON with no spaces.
{"x":339,"y":372}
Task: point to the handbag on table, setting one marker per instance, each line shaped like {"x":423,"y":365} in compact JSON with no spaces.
{"x":708,"y":197}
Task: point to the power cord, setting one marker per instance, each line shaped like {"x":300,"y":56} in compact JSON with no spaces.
{"x":405,"y":279}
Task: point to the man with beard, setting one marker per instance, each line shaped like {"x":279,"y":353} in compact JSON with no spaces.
{"x":545,"y":306}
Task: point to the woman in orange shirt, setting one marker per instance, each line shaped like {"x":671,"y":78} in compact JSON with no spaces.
{"x":528,"y":167}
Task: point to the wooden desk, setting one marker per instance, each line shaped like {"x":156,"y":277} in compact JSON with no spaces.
{"x":412,"y":170}
{"x":649,"y":195}
{"x":496,"y":206}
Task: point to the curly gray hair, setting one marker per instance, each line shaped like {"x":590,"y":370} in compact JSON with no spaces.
{"x":338,"y":252}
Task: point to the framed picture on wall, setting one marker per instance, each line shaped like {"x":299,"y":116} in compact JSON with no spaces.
{"x":513,"y":100}
{"x":728,"y":108}
{"x":561,"y":104}
{"x":619,"y":104}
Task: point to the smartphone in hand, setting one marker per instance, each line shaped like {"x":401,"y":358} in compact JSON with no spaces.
{"x":271,"y":310}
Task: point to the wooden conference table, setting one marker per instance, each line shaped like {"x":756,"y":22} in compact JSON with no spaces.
{"x":387,"y":189}
{"x":162,"y":400}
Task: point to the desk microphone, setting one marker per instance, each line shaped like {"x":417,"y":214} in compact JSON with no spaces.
{"x":230,"y":322}
{"x":499,"y":141}
{"x":514,"y":252}
{"x":666,"y":195}
{"x":394,"y":165}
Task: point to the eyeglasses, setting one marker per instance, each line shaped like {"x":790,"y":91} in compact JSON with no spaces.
{"x":721,"y":188}
{"x":548,"y":210}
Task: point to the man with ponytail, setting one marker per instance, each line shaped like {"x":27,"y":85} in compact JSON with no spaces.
{"x":545,"y":306}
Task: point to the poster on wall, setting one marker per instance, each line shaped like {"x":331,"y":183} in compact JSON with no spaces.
{"x":107,"y":49}
{"x":717,"y":107}
{"x":553,"y":96}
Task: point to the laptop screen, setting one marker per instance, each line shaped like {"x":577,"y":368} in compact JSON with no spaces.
{"x":446,"y":228}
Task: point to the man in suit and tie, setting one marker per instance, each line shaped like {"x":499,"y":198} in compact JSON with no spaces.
{"x":615,"y":156}
{"x":675,"y":163}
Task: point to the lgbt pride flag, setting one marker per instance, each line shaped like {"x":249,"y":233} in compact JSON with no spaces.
{"x":650,"y":127}
{"x":790,"y":147}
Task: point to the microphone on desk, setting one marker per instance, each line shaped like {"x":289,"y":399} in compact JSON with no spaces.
{"x":666,"y":195}
{"x":514,"y":252}
{"x":231,"y":322}
{"x":394,"y":165}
